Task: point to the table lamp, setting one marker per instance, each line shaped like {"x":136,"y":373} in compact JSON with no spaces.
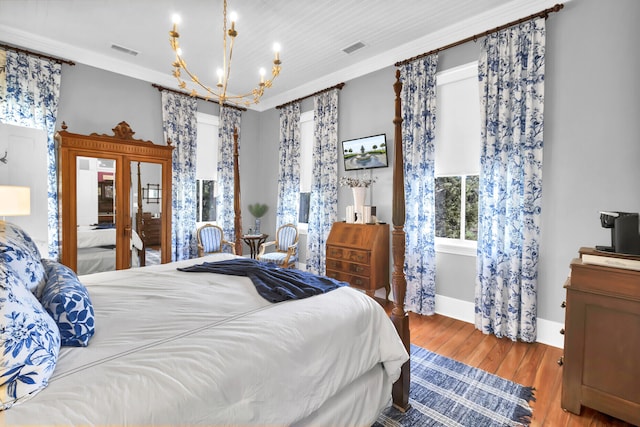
{"x":14,"y":201}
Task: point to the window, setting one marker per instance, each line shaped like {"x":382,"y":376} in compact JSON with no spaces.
{"x":306,"y":166}
{"x":457,"y":159}
{"x":206,"y":167}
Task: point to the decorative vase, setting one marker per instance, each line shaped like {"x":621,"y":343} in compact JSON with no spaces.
{"x":359,"y":196}
{"x":257,"y":228}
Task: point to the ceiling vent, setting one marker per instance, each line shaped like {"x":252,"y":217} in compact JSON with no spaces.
{"x":353,"y":47}
{"x":124,"y":50}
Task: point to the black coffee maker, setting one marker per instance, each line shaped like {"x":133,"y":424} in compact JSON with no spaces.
{"x":625,"y":235}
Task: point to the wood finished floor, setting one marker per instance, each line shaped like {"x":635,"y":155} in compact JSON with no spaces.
{"x":527,"y":364}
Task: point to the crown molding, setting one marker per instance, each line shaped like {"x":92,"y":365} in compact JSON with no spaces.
{"x":493,"y":18}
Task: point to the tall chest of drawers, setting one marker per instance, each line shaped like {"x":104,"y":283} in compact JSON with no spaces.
{"x":602,"y":338}
{"x":359,"y":254}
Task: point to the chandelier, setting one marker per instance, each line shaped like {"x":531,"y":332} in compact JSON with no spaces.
{"x":219,"y":93}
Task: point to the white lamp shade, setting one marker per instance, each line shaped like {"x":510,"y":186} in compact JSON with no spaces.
{"x":14,"y":200}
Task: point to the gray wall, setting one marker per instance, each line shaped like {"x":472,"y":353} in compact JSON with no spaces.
{"x":591,"y":149}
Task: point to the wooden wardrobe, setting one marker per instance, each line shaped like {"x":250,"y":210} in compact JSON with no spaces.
{"x":126,"y":153}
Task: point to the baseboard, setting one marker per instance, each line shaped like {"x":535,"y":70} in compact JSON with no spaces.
{"x":548,"y":331}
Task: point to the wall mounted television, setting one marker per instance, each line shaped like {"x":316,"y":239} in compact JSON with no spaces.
{"x":365,"y":153}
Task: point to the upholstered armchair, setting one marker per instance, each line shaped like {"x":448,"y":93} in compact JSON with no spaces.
{"x":284,"y":250}
{"x":211,"y":240}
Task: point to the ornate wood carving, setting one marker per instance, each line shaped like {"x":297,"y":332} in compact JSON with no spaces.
{"x":399,"y":317}
{"x":124,"y":150}
{"x":236,"y":195}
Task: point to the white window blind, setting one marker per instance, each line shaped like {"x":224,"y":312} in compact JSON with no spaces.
{"x":457,"y":141}
{"x":306,"y":150}
{"x":207,"y":147}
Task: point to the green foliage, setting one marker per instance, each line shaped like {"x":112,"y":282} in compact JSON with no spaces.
{"x":258,"y":209}
{"x":447,"y":200}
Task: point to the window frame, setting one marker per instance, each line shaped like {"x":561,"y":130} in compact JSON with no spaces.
{"x":460,"y":246}
{"x":307,"y":116}
{"x":211,"y":120}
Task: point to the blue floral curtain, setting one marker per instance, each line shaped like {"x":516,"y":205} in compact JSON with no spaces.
{"x":229,"y":120}
{"x":323,"y":206}
{"x":418,"y":98}
{"x":511,"y":73}
{"x":180,"y":126}
{"x":29,"y":93}
{"x":289,"y":172}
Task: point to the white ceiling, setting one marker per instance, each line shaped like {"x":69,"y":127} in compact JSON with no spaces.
{"x":312,"y":35}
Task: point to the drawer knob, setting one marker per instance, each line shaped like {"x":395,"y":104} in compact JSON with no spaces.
{"x":564,"y":304}
{"x":561,"y":361}
{"x":562,"y":331}
{"x":358,"y":282}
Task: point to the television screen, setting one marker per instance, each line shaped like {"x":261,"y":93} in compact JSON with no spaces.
{"x":365,"y":153}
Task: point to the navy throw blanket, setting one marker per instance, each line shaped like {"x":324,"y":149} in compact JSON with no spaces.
{"x":273,"y":283}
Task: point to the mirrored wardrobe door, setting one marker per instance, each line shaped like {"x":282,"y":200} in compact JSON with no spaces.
{"x":96,"y":207}
{"x":146,"y":213}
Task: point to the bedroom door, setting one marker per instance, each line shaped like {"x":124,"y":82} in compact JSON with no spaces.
{"x":98,"y":204}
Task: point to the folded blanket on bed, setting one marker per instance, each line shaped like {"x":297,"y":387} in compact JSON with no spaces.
{"x":273,"y":283}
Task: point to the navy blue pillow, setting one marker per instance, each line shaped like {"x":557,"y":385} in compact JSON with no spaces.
{"x":67,"y":301}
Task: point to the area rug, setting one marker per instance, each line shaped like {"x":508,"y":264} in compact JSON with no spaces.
{"x":445,"y":392}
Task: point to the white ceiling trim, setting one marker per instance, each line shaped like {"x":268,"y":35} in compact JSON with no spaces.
{"x":461,"y":30}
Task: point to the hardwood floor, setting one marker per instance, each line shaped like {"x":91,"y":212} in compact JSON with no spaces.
{"x":527,"y":364}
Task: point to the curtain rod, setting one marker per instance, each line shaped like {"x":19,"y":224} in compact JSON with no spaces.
{"x":542,"y":14}
{"x":339,"y":86}
{"x":39,"y":55}
{"x":161,"y":88}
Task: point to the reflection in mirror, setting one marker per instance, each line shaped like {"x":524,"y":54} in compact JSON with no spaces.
{"x":147,"y":210}
{"x":96,"y":214}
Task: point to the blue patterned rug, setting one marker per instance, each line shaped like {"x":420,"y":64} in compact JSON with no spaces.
{"x":445,"y":392}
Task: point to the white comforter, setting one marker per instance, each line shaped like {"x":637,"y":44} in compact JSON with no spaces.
{"x":89,"y":237}
{"x":200,"y":348}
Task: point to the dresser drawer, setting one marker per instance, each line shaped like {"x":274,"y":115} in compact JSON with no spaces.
{"x":348,"y":254}
{"x":352,"y":279}
{"x":349,"y":267}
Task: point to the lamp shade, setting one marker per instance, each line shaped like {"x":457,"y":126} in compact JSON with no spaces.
{"x":14,"y":200}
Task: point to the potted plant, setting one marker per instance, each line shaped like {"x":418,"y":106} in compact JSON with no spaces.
{"x":258,"y":210}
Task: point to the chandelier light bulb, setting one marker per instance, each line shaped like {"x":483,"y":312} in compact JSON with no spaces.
{"x":220,"y":73}
{"x":262,"y":73}
{"x":175,"y":19}
{"x":276,"y":49}
{"x":233,"y":17}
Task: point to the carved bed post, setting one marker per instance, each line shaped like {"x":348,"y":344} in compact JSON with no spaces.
{"x":399,"y":317}
{"x":236,"y":195}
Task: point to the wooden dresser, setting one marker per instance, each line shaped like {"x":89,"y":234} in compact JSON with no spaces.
{"x":602,"y":340}
{"x":359,"y":254}
{"x":151,"y":230}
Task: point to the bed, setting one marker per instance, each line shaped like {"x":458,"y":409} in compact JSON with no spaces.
{"x":170,"y":347}
{"x":211,"y":351}
{"x":96,"y":249}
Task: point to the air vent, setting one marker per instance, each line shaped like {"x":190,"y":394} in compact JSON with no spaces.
{"x":124,"y":50}
{"x":353,"y":47}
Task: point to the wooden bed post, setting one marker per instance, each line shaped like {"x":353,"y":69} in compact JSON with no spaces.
{"x":143,"y":252}
{"x":399,"y":317}
{"x":236,"y":195}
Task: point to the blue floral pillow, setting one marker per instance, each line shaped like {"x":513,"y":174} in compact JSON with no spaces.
{"x":29,"y":341}
{"x":21,"y":253}
{"x":67,"y":301}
